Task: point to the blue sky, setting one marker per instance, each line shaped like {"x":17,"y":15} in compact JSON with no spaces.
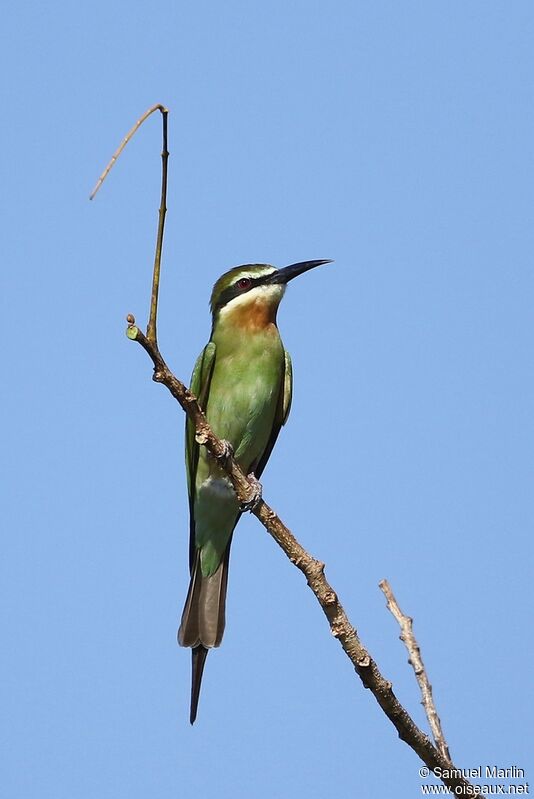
{"x":396,"y":138}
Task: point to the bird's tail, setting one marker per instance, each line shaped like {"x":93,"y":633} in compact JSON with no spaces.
{"x":203,"y":619}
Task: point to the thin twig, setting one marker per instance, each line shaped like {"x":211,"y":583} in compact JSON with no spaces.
{"x":124,"y":142}
{"x":416,"y":661}
{"x":151,"y":328}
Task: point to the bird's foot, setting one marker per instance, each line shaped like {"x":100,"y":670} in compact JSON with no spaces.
{"x":255,"y":494}
{"x":227,"y":453}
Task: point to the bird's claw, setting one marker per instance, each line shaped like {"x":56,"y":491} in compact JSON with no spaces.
{"x":227,"y":453}
{"x":256,"y":494}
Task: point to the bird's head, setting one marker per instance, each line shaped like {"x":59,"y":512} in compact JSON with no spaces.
{"x":249,"y":295}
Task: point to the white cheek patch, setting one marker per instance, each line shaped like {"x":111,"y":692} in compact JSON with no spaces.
{"x":270,"y":294}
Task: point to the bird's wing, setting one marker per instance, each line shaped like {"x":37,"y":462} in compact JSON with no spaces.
{"x":282,"y":412}
{"x":200,"y":386}
{"x":287,"y":387}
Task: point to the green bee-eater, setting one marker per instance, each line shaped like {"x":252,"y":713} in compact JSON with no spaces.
{"x":243,"y":382}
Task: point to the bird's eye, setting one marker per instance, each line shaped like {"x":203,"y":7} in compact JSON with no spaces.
{"x":244,"y":283}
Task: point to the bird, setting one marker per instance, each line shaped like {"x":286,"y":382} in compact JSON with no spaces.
{"x":243,"y":382}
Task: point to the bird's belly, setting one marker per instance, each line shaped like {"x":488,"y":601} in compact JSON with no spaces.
{"x":243,"y":399}
{"x":216,"y":510}
{"x":216,"y":503}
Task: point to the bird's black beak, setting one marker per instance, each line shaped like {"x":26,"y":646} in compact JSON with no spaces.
{"x":294,"y":270}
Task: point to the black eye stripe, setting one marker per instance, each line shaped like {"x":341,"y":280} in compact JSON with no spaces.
{"x":235,"y":290}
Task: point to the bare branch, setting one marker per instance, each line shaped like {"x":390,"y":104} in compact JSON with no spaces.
{"x":151,"y":327}
{"x":313,"y":570}
{"x":416,"y":661}
{"x":124,"y":142}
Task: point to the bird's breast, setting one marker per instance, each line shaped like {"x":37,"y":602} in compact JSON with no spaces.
{"x":244,"y":394}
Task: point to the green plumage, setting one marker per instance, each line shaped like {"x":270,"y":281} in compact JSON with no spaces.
{"x":244,"y":390}
{"x":243,"y":381}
